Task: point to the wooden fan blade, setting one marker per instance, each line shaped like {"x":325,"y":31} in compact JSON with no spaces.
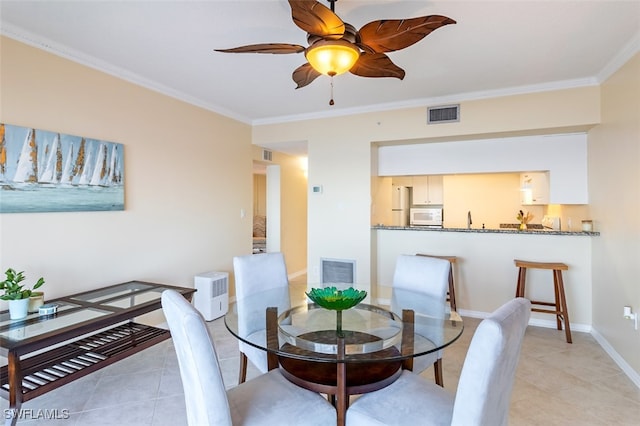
{"x":304,"y":75}
{"x":317,"y":19}
{"x":376,"y":65}
{"x":276,"y":48}
{"x":395,"y":34}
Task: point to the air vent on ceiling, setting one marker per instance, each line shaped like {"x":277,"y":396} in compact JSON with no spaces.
{"x":266,"y":155}
{"x":443,"y":114}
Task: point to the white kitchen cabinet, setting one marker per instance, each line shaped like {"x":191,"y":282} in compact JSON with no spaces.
{"x":534,"y":188}
{"x":427,"y":190}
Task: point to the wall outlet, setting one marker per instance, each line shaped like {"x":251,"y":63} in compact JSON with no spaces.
{"x":628,"y":314}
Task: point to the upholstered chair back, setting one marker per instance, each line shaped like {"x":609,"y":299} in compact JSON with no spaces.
{"x":488,"y":373}
{"x":427,"y":282}
{"x":427,"y":276}
{"x":204,"y":390}
{"x":254,"y":274}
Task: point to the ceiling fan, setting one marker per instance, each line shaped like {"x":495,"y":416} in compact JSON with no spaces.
{"x":336,"y":47}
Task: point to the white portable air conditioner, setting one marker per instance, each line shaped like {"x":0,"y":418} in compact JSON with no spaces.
{"x":212,"y":295}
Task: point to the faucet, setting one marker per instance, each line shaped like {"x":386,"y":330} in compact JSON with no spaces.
{"x":469,"y":222}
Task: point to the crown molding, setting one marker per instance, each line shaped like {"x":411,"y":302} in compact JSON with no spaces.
{"x":57,"y":49}
{"x":627,"y":52}
{"x":21,"y":35}
{"x":441,"y":100}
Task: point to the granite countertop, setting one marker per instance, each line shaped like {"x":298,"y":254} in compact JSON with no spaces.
{"x":535,"y":231}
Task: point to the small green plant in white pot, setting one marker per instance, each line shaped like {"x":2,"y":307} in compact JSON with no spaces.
{"x":16,"y":294}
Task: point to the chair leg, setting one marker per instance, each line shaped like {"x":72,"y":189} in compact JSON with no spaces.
{"x":437,"y":372}
{"x":563,"y":304}
{"x":522,"y":274}
{"x":556,"y":289}
{"x":242,"y":377}
{"x":452,"y":292}
{"x":332,"y":398}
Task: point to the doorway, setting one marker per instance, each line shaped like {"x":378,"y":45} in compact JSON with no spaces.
{"x":266,"y":207}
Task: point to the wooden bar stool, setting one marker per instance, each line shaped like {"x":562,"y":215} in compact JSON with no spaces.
{"x":451,"y":294}
{"x":560,"y":304}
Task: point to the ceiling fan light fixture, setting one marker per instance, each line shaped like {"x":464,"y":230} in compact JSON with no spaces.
{"x":332,"y":57}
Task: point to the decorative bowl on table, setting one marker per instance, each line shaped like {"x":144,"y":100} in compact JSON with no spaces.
{"x":334,"y":299}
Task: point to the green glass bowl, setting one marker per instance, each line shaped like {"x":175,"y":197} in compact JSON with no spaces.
{"x":337,"y":300}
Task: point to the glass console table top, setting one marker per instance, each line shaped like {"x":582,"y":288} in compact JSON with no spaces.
{"x":129,"y":300}
{"x":5,"y":321}
{"x":124,"y":289}
{"x":35,"y":325}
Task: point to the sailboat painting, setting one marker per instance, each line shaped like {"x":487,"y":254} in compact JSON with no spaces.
{"x":43,"y":171}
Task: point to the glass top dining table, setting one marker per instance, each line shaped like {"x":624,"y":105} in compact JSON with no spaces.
{"x":364,"y":350}
{"x":367,"y":328}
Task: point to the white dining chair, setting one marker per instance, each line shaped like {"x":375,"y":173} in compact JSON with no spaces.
{"x":254,"y":274}
{"x":269,"y":399}
{"x":428,"y":277}
{"x":484,"y":388}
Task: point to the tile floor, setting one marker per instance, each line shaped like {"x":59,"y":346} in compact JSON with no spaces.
{"x":556,"y":384}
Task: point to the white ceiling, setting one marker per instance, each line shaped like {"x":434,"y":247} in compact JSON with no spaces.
{"x":496,"y":48}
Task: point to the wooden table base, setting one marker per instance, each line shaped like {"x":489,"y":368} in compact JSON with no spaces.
{"x":321,"y":376}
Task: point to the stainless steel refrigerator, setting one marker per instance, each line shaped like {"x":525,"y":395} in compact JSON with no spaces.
{"x":400,"y":206}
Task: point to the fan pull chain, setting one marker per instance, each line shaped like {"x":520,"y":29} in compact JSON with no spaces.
{"x":331,"y":100}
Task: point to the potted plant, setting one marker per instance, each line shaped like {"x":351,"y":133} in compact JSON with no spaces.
{"x":16,"y":294}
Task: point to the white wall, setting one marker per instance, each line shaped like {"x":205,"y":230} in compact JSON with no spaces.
{"x":565,"y":156}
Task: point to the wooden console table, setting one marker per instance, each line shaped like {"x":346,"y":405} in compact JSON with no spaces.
{"x":90,"y":330}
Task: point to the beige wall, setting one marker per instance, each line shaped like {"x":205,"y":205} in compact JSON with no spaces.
{"x":614,"y":182}
{"x":491,"y":198}
{"x":187,"y":175}
{"x":259,"y":194}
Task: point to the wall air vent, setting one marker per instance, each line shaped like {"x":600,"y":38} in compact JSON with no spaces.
{"x":443,"y":114}
{"x":338,"y":271}
{"x":267,"y":155}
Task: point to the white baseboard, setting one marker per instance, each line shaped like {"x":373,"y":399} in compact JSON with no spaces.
{"x":536,"y":322}
{"x":626,"y":368}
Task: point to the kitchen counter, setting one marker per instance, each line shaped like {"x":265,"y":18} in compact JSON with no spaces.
{"x":488,"y":231}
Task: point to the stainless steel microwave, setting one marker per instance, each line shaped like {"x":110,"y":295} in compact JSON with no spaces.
{"x":425,"y":216}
